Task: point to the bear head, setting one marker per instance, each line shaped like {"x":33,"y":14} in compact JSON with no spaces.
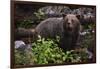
{"x":71,"y":23}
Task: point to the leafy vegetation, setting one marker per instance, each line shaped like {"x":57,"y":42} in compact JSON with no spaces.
{"x":46,"y":51}
{"x":24,"y":23}
{"x":40,"y":16}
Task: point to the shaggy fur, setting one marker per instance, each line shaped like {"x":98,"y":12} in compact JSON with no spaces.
{"x":67,"y":27}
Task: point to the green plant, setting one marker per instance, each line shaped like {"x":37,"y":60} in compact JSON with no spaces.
{"x":23,"y":58}
{"x":40,"y":16}
{"x":24,"y":23}
{"x":46,"y":51}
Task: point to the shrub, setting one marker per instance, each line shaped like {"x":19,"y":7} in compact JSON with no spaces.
{"x":46,"y":51}
{"x":24,"y":23}
{"x":40,"y":16}
{"x":24,"y":58}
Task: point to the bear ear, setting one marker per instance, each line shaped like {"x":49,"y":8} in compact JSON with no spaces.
{"x":64,"y":15}
{"x":78,"y":16}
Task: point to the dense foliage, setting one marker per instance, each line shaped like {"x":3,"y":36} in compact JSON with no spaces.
{"x":45,"y":51}
{"x":24,"y":23}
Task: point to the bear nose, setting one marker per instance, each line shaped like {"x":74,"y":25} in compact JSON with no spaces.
{"x":68,"y":23}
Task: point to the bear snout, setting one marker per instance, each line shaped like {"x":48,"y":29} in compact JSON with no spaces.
{"x":70,"y":26}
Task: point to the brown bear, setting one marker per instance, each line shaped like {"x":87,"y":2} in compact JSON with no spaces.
{"x":67,"y":27}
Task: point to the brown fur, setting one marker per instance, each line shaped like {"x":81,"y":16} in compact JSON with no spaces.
{"x":67,"y":28}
